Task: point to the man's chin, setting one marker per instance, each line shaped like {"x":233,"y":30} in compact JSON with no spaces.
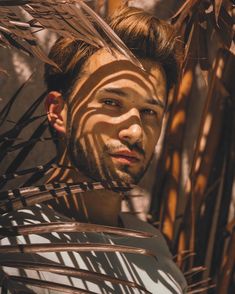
{"x":126,"y":177}
{"x":120,"y":176}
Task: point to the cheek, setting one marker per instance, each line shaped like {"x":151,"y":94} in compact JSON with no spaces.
{"x":152,"y":136}
{"x":153,"y":133}
{"x":92,"y":125}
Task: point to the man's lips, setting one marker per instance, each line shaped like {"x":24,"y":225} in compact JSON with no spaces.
{"x":126,"y":156}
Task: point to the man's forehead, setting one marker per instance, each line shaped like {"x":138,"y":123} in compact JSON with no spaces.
{"x":104,"y":57}
{"x":107,"y":67}
{"x":101,"y":58}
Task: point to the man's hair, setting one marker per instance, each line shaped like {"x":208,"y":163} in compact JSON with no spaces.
{"x":144,"y":34}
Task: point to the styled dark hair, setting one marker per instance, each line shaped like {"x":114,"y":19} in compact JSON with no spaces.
{"x":144,"y":34}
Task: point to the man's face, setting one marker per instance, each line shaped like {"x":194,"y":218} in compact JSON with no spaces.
{"x":114,"y":117}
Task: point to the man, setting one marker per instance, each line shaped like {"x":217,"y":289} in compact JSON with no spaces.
{"x":107,"y":113}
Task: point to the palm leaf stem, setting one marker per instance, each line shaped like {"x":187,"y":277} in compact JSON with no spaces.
{"x":70,"y":247}
{"x":68,"y":227}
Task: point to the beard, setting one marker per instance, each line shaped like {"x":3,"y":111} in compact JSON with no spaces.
{"x":95,"y":162}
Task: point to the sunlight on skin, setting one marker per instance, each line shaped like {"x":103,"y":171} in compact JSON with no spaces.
{"x":112,"y":123}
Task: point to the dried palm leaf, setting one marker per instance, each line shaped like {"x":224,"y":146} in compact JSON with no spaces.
{"x":194,"y":271}
{"x":43,"y":284}
{"x":40,"y":139}
{"x":227,"y":267}
{"x":69,"y":227}
{"x":70,"y":271}
{"x":67,"y":18}
{"x":203,"y":230}
{"x":28,"y":143}
{"x":22,"y":155}
{"x":39,"y":168}
{"x":217,"y":7}
{"x":185,"y":8}
{"x":202,"y":289}
{"x":18,"y":198}
{"x":24,"y":120}
{"x":39,"y":174}
{"x":6,"y":109}
{"x":183,"y":12}
{"x":69,"y":247}
{"x":225,"y":28}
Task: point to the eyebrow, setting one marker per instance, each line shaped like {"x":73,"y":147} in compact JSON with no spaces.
{"x":157,"y":102}
{"x":116,"y":91}
{"x":120,"y":92}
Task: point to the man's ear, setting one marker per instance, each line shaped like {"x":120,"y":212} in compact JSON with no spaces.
{"x":56,"y":111}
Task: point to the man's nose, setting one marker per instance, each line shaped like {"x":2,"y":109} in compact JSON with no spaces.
{"x":132,"y":130}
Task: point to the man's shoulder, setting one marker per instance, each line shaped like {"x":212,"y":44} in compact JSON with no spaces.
{"x":152,"y":273}
{"x":156,"y":243}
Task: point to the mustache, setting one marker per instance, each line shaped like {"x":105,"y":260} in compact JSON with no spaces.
{"x":132,"y":147}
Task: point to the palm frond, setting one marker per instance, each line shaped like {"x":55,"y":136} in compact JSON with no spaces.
{"x":39,"y":168}
{"x":18,"y":198}
{"x":9,"y":134}
{"x":66,"y":18}
{"x":24,"y":120}
{"x":44,"y":284}
{"x":6,"y":109}
{"x":70,"y":247}
{"x":70,"y":271}
{"x":193,"y":188}
{"x":25,"y":230}
{"x":29,"y":142}
{"x":217,"y":7}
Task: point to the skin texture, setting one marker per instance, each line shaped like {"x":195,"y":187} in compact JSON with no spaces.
{"x":112,"y":120}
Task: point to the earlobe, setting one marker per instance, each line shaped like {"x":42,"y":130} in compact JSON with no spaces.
{"x":56,"y":111}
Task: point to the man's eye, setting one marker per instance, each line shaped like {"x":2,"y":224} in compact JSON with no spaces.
{"x":149,"y":111}
{"x":111,"y":102}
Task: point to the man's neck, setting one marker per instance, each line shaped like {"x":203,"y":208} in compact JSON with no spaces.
{"x":98,"y":206}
